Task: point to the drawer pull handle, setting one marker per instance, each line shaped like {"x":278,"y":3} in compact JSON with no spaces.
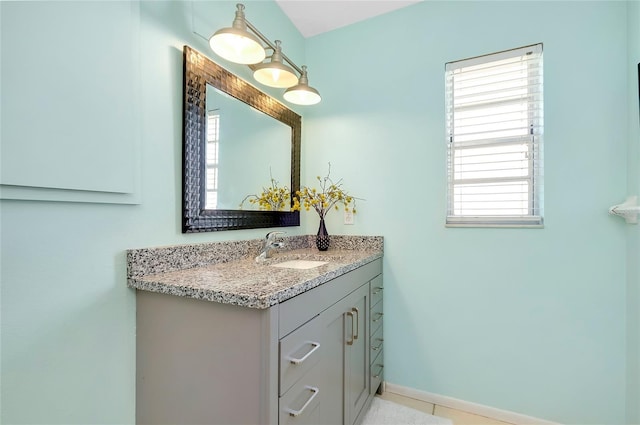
{"x":357,"y":322}
{"x":379,"y":345}
{"x":377,"y":290}
{"x":314,"y":345}
{"x":377,"y":319}
{"x":350,"y":314}
{"x":379,"y":373}
{"x":314,"y":392}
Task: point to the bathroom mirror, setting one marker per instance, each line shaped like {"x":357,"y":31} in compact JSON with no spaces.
{"x":213,"y":96}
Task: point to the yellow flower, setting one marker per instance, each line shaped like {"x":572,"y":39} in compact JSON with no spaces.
{"x":272,"y":198}
{"x":326,"y":198}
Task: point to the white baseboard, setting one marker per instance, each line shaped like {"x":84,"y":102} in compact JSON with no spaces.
{"x":466,"y":406}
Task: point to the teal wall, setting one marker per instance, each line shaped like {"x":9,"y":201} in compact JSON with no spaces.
{"x":532,"y":321}
{"x":68,"y":319}
{"x":633,"y":236}
{"x":527,"y":320}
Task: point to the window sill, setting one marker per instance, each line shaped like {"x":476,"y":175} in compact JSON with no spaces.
{"x":518,"y":222}
{"x":505,"y":226}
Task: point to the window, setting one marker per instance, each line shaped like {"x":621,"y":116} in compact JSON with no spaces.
{"x":494,"y":110}
{"x":213,"y":139}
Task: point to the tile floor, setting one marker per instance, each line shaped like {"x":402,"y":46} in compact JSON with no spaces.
{"x":457,"y":416}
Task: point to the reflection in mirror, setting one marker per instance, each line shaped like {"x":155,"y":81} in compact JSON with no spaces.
{"x":245,"y":148}
{"x":243,"y":155}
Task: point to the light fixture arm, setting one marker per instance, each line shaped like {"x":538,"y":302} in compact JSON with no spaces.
{"x":271,"y":45}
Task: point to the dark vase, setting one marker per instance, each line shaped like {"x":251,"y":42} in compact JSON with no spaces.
{"x":322,"y":239}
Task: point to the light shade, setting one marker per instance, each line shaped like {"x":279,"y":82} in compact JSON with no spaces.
{"x":275,"y":73}
{"x":301,"y":93}
{"x":237,"y":44}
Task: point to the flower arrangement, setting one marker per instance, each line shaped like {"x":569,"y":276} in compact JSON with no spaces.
{"x":324,"y":200}
{"x":272,"y":198}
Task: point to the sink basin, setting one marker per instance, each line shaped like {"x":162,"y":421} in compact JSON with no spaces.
{"x":300,"y":264}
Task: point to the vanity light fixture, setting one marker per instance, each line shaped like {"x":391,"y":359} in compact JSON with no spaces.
{"x":236,"y":44}
{"x":301,"y":93}
{"x":242,"y":43}
{"x":275,"y":73}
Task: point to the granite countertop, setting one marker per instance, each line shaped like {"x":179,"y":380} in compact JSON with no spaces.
{"x":228,"y":273}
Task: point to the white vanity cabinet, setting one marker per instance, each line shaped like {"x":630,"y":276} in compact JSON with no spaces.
{"x":307,"y":360}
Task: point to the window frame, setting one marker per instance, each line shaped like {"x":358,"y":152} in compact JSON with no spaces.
{"x":533,"y":155}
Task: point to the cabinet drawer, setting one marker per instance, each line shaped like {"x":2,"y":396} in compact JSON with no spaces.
{"x":376,"y":289}
{"x":377,"y":373}
{"x":299,"y":352}
{"x":376,"y":317}
{"x":300,"y":405}
{"x":376,"y":344}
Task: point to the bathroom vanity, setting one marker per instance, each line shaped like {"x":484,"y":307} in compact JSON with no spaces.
{"x":222,"y":339}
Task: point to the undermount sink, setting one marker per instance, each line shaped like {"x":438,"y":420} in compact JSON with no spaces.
{"x":300,"y":264}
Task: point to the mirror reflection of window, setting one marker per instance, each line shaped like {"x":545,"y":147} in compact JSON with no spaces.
{"x":213,"y":139}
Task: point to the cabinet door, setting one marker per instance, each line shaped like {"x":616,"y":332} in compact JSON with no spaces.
{"x":356,"y":353}
{"x":345,"y":358}
{"x":332,"y":364}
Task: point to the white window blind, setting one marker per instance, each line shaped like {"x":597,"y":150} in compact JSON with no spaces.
{"x":213,"y":139}
{"x":494,"y":110}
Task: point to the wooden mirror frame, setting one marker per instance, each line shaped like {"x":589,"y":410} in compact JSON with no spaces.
{"x":198,"y":72}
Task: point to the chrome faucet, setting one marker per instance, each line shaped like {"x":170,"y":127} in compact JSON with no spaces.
{"x":269,"y":245}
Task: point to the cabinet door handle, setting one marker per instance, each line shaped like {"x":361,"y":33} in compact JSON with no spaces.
{"x":379,"y":373}
{"x":314,"y":392}
{"x":350,"y":314}
{"x":379,"y":345}
{"x":357,"y":319}
{"x":377,"y":290}
{"x":314,"y":347}
{"x":377,"y":319}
